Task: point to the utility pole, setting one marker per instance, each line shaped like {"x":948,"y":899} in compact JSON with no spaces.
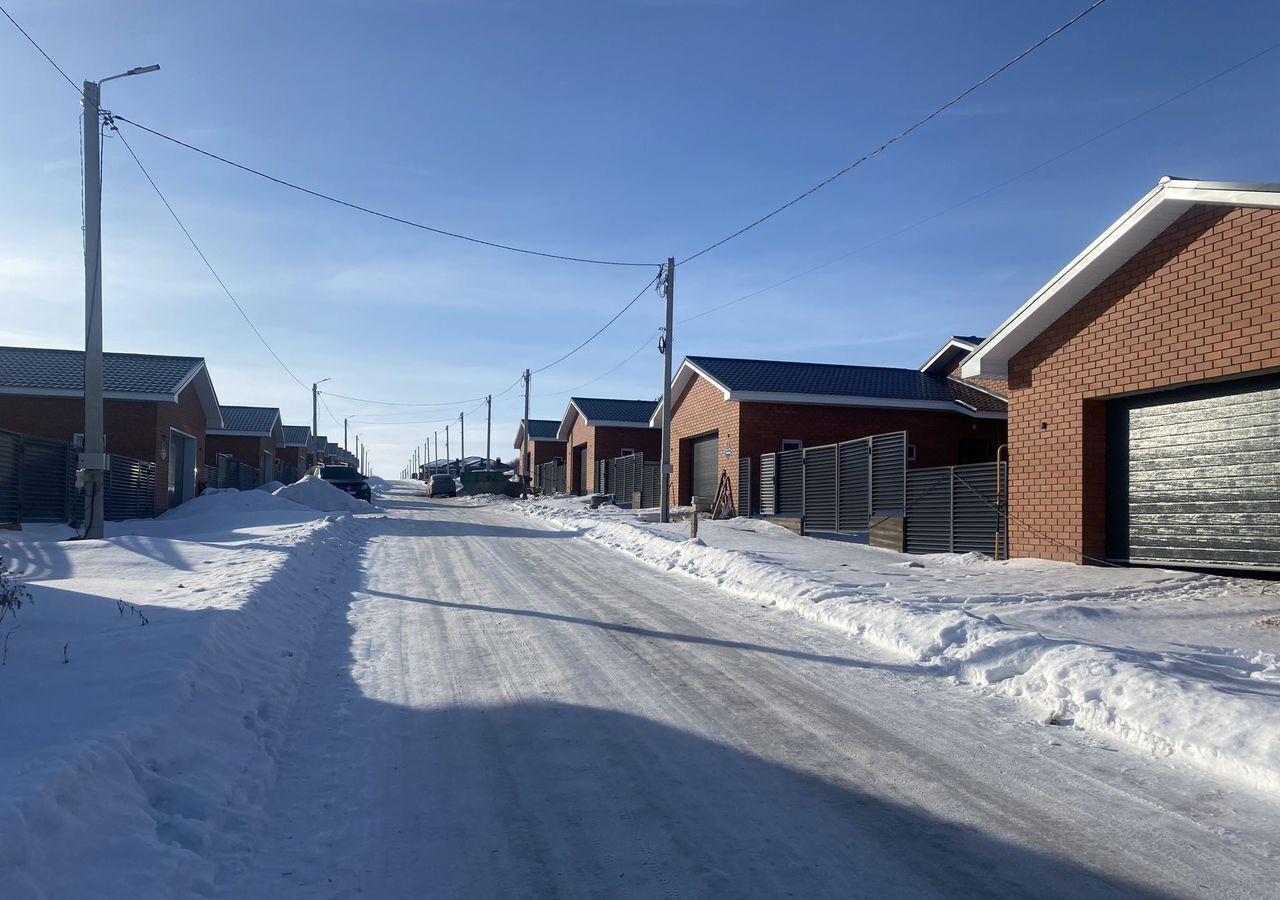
{"x":488,"y":431}
{"x":447,"y":458}
{"x":93,"y":457}
{"x":524,"y":448}
{"x":344,"y":433}
{"x":462,"y":440}
{"x":435,"y":454}
{"x":670,"y":291}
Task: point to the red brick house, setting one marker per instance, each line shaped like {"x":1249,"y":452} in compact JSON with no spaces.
{"x":727,"y":409}
{"x":250,"y":435}
{"x":545,"y":444}
{"x":157,"y":408}
{"x":1144,"y":401}
{"x":294,"y":451}
{"x":594,"y":429}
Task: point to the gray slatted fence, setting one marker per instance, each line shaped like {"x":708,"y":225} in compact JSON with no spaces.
{"x":790,"y":483}
{"x":626,"y":476}
{"x":130,"y":489}
{"x":769,"y":484}
{"x":821,"y":488}
{"x":957,"y":509}
{"x":48,"y":480}
{"x":746,"y":506}
{"x":10,"y":477}
{"x":550,"y":477}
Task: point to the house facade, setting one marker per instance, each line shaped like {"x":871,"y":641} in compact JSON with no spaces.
{"x":250,"y":435}
{"x":1144,"y":400}
{"x":727,"y":409}
{"x":545,"y":444}
{"x":595,"y":428}
{"x":156,"y":408}
{"x":293,"y":453}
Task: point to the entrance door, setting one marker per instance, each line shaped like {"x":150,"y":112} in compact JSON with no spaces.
{"x":182,"y":467}
{"x":705,"y":454}
{"x":580,"y":470}
{"x":1193,"y":476}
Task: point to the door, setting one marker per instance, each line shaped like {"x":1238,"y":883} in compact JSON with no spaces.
{"x":1193,"y":476}
{"x":705,"y":457}
{"x":580,"y":469}
{"x":182,"y":467}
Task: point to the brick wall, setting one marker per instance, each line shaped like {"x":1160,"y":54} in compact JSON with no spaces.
{"x":246,"y":450}
{"x":751,"y":429}
{"x":543,"y":452}
{"x":606,"y":443}
{"x":1198,"y":303}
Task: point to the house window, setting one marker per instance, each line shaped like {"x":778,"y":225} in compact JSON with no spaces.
{"x":911,"y":453}
{"x":792,"y":445}
{"x":627,"y":451}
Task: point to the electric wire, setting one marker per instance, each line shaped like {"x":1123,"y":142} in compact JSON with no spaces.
{"x":904,"y":133}
{"x":648,"y":339}
{"x":630,"y":303}
{"x":395,"y":403}
{"x":75,"y":87}
{"x":379,"y":214}
{"x":205,"y":259}
{"x":995,"y":187}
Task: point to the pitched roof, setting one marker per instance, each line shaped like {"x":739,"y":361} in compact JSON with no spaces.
{"x":249,"y":420}
{"x":539,"y":430}
{"x":777,"y":381}
{"x":954,"y":351}
{"x":1160,"y":208}
{"x":598,"y":411}
{"x":125,"y":376}
{"x":297,"y":435}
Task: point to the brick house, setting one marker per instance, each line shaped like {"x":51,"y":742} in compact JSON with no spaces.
{"x":727,"y":409}
{"x":594,"y":429}
{"x":1143,"y":397}
{"x":250,"y":435}
{"x":545,"y":444}
{"x":156,"y":408}
{"x":294,"y":451}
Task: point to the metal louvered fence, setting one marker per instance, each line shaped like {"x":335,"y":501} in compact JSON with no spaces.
{"x":130,"y":489}
{"x":629,"y":479}
{"x":549,"y":477}
{"x":231,"y":473}
{"x":837,"y":488}
{"x":958,"y":509}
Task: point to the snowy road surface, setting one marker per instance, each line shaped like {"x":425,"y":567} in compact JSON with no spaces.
{"x":505,"y":710}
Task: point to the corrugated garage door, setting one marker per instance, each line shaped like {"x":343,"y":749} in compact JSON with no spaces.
{"x":706,"y":465}
{"x":1194,"y":476}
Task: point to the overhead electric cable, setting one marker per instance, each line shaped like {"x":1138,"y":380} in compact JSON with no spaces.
{"x":631,"y":356}
{"x":393,"y":403}
{"x":205,"y":259}
{"x":630,"y":303}
{"x":902,"y":134}
{"x":995,"y":187}
{"x":75,"y":87}
{"x":381,"y":215}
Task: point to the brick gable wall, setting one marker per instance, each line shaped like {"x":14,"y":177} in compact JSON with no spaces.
{"x":1198,"y":303}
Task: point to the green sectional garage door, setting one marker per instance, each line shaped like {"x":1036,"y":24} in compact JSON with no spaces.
{"x":1193,"y":476}
{"x":706,"y":465}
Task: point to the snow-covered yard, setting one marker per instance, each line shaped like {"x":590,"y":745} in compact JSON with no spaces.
{"x":144,"y":688}
{"x":1182,"y":664}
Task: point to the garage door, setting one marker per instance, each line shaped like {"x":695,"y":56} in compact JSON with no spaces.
{"x":1194,"y":476}
{"x":706,"y":465}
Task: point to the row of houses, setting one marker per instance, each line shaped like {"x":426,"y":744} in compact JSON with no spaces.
{"x":1137,"y":392}
{"x":159,"y":410}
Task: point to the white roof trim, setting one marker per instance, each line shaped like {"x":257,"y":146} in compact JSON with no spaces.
{"x":952,"y":344}
{"x":684,"y":375}
{"x":79,"y":394}
{"x":1108,"y":252}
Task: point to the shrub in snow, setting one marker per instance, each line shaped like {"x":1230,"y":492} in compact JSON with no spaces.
{"x":12,"y":592}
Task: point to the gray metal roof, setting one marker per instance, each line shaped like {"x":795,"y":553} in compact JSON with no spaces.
{"x":38,"y":369}
{"x":764,"y":376}
{"x":632,"y":412}
{"x":543,"y":429}
{"x":297,"y":435}
{"x":249,"y":419}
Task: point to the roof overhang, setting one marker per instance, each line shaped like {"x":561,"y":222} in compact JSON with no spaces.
{"x":684,"y":377}
{"x":952,"y":352}
{"x":1113,"y":248}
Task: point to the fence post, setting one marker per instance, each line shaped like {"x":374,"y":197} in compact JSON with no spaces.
{"x":951,"y":510}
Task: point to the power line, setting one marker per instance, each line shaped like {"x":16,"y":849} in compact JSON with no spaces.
{"x":633,"y":355}
{"x":47,"y":57}
{"x":204,"y":258}
{"x":902,"y":134}
{"x":393,"y":403}
{"x":630,"y":303}
{"x":381,"y":215}
{"x":995,"y":187}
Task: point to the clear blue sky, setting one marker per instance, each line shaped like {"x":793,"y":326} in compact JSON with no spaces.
{"x":631,"y":130}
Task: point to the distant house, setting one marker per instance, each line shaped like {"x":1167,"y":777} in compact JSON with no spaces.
{"x":594,"y":429}
{"x":1143,"y":388}
{"x":319,"y":450}
{"x":545,"y":444}
{"x":293,"y":452}
{"x":727,"y":409}
{"x":250,"y":435}
{"x":156,"y":408}
{"x":950,"y":357}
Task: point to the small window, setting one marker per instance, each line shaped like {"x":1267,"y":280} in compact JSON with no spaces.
{"x":792,"y":445}
{"x":627,"y":451}
{"x":911,"y":453}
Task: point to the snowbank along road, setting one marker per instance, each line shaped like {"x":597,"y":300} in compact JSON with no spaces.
{"x":499,"y":708}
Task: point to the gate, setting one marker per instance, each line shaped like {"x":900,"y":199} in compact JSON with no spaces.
{"x":745,"y":505}
{"x":627,"y":476}
{"x":130,"y":489}
{"x":958,"y":509}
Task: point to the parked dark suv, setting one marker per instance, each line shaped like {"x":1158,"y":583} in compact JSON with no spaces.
{"x":442,"y":486}
{"x":345,"y":478}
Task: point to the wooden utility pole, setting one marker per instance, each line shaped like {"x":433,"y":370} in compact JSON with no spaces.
{"x":523,"y":468}
{"x":462,"y":439}
{"x":488,"y":431}
{"x":667,"y":345}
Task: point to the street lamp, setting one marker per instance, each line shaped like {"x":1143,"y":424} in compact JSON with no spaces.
{"x":93,"y":459}
{"x":315,"y":397}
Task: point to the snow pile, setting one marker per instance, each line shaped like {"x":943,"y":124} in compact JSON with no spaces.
{"x":1218,"y":707}
{"x":146,"y":690}
{"x":312,"y":491}
{"x":270,"y":487}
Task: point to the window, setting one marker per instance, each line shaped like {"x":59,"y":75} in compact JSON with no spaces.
{"x":792,"y":445}
{"x":627,"y":451}
{"x":911,"y":453}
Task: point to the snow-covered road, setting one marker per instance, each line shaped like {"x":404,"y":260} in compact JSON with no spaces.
{"x":506,"y":710}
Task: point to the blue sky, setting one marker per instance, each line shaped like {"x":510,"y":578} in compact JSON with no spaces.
{"x":631,"y":130}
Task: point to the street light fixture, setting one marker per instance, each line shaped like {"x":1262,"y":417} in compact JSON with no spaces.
{"x":93,"y":458}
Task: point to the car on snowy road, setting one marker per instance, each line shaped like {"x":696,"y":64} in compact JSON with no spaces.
{"x":345,"y":478}
{"x":442,"y":486}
